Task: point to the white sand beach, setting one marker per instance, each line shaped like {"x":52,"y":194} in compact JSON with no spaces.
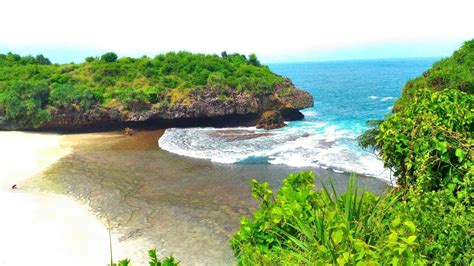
{"x":42,"y":228}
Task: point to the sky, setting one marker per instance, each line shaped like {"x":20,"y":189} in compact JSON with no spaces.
{"x":277,"y":31}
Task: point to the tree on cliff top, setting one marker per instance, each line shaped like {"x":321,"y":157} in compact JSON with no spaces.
{"x":253,"y":60}
{"x":109,"y":57}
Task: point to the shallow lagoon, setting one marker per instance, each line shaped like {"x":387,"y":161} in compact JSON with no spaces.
{"x":152,"y":198}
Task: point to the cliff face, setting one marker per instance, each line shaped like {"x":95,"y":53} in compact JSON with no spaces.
{"x":199,"y":107}
{"x":172,"y":89}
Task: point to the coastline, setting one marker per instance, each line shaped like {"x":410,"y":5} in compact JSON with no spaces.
{"x":182,"y":206}
{"x":40,"y":227}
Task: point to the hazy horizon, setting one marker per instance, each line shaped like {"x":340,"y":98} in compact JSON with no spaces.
{"x":71,"y":55}
{"x":278,"y":31}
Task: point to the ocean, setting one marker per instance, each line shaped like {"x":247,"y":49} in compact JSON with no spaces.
{"x":346,"y":95}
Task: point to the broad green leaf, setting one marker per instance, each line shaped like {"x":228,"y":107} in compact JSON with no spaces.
{"x":410,"y":225}
{"x":337,"y":236}
{"x":461,"y":154}
{"x":410,"y":239}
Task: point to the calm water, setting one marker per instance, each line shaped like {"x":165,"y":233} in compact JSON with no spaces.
{"x":346,"y":95}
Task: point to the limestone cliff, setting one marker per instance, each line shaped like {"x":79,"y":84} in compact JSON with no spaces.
{"x":201,"y":106}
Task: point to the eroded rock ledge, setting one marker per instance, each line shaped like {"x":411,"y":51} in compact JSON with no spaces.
{"x":201,"y":107}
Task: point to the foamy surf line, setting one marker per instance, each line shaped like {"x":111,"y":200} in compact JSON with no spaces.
{"x":382,"y":99}
{"x":312,"y":145}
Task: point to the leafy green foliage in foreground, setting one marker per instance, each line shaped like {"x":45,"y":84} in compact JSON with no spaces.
{"x":430,"y":143}
{"x":153,"y":260}
{"x":429,"y":218}
{"x":429,"y":140}
{"x":303,"y":226}
{"x":32,"y":87}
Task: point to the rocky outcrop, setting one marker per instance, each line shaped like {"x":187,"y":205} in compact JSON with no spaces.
{"x":129,"y":131}
{"x":202,"y":105}
{"x":271,"y":120}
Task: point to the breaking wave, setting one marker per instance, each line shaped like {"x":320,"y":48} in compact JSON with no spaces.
{"x":301,"y":144}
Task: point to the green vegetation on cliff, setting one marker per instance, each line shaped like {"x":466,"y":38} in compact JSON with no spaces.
{"x":428,"y":219}
{"x":32,"y":87}
{"x":453,"y":73}
{"x":429,"y":139}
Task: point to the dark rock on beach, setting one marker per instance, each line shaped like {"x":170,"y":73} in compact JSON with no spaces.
{"x":129,"y":131}
{"x":271,"y":120}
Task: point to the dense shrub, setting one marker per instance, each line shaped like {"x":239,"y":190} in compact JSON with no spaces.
{"x":445,"y":226}
{"x":136,"y":83}
{"x":41,"y":60}
{"x":253,"y":60}
{"x":133,"y":100}
{"x":454,"y":73}
{"x":69,"y":97}
{"x":302,"y":226}
{"x":109,"y":57}
{"x":430,"y":143}
{"x":429,"y":140}
{"x":25,"y":101}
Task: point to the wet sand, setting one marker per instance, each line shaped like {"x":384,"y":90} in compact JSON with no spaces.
{"x":41,"y":228}
{"x":182,"y":206}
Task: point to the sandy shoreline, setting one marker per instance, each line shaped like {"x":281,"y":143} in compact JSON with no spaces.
{"x":182,"y":206}
{"x":41,"y":228}
{"x":69,"y":185}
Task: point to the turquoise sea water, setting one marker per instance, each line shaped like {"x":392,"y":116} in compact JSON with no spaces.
{"x":346,"y":95}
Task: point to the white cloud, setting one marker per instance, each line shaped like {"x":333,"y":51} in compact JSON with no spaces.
{"x":268,"y":28}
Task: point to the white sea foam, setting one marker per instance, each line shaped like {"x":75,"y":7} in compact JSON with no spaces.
{"x":384,"y":99}
{"x":311,"y":145}
{"x":309,"y":113}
